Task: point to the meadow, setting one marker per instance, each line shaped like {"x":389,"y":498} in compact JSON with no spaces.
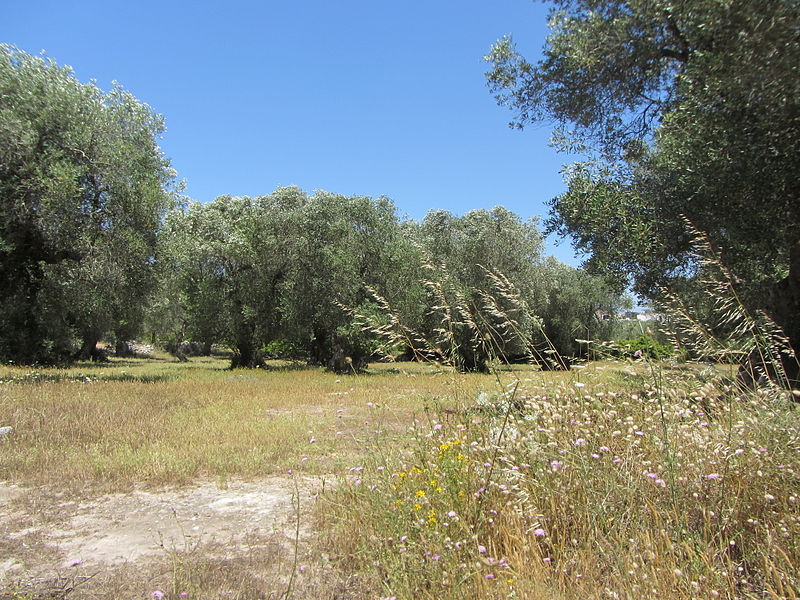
{"x":624,"y":479}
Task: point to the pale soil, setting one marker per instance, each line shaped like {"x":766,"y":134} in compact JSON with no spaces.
{"x":46,"y":536}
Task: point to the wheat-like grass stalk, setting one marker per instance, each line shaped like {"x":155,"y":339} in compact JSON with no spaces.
{"x":753,"y":338}
{"x":472,"y":326}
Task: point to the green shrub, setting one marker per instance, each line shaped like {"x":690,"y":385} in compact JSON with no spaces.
{"x":644,"y":346}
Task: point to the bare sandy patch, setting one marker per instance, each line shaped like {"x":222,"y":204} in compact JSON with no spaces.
{"x":46,"y":535}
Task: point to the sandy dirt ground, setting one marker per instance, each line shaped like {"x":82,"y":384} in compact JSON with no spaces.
{"x":44,"y":534}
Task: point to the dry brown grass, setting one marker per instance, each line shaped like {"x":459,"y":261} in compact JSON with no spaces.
{"x":94,"y":429}
{"x":112,"y":427}
{"x":158,"y":422}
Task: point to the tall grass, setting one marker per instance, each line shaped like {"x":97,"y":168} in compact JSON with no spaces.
{"x":581,"y":494}
{"x":739,"y":334}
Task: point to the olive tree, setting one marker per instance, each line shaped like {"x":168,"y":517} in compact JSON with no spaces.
{"x":481,"y":278}
{"x":338,"y":245}
{"x":283,"y":268}
{"x":576,"y":306}
{"x":691,"y":110}
{"x":231,"y":257}
{"x":83,"y":186}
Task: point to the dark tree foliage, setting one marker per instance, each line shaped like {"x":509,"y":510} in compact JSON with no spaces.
{"x":692,"y":109}
{"x":82,"y":191}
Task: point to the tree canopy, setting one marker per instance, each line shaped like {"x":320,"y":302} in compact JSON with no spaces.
{"x":690,"y":112}
{"x":280,"y":269}
{"x":292,"y":274}
{"x":83,"y":186}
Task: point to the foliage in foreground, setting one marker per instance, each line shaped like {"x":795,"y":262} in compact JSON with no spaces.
{"x":570,"y":494}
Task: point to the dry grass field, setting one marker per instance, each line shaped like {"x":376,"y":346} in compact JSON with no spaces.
{"x":147,"y":478}
{"x":158,"y":422}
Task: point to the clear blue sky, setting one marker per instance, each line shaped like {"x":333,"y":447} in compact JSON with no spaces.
{"x":360,"y":97}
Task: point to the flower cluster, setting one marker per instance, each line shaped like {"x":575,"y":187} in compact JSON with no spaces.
{"x":563,"y":489}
